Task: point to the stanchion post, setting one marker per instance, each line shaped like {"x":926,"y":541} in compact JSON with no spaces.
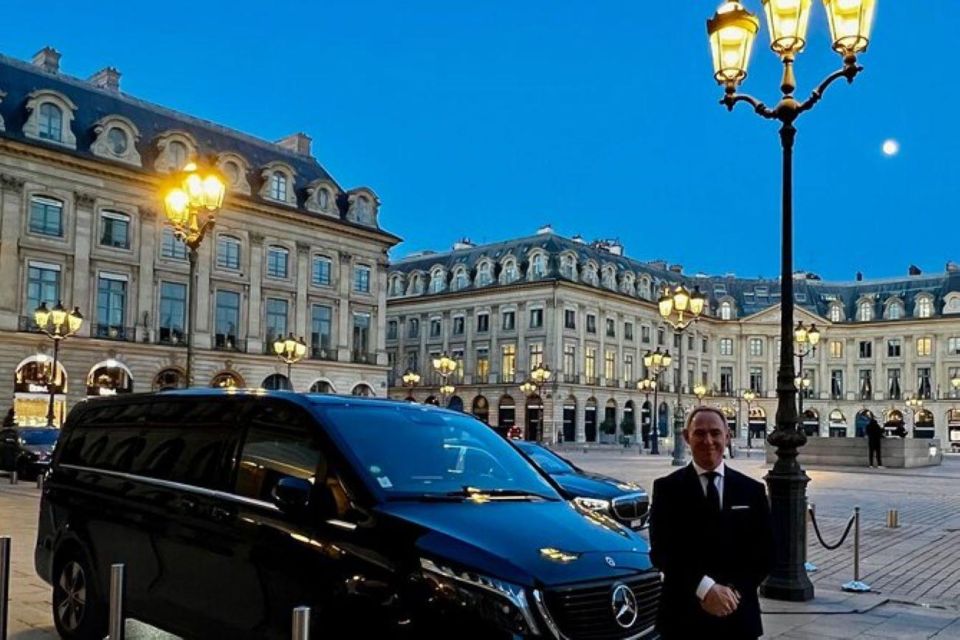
{"x":856,"y":585}
{"x":13,"y":477}
{"x":4,"y":584}
{"x":301,"y":623}
{"x":811,"y":511}
{"x":116,"y":624}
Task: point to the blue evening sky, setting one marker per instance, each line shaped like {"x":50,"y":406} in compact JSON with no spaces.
{"x":490,"y":118}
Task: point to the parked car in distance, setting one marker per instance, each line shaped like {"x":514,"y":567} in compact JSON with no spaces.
{"x":27,"y":450}
{"x":626,"y":502}
{"x":229,"y":508}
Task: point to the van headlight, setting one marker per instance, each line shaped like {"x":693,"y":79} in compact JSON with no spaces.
{"x":594,"y":504}
{"x":499,"y":601}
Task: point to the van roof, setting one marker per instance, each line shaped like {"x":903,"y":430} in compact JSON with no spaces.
{"x":300,"y":397}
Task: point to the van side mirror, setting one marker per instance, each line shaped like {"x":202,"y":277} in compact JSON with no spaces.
{"x":292,"y":495}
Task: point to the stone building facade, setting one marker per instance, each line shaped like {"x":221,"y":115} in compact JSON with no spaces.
{"x":589,"y":313}
{"x":81,"y":171}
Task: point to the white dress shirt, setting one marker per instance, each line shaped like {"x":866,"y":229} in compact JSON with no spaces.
{"x":706,"y":583}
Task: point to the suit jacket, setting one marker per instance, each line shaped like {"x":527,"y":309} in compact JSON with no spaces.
{"x":689,"y":541}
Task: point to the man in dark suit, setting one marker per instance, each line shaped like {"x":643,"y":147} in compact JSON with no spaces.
{"x":711,"y":536}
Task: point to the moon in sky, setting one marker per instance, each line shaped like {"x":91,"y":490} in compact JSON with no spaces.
{"x":891,"y":147}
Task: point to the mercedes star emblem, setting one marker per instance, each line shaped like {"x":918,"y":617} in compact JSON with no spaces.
{"x":624,"y":605}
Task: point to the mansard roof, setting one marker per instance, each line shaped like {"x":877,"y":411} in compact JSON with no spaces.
{"x":19,"y":79}
{"x":751,"y":295}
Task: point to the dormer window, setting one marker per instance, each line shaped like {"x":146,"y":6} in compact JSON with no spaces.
{"x":278,"y":186}
{"x":178,"y":154}
{"x":924,"y":307}
{"x":436,"y":281}
{"x":118,"y":141}
{"x":397,"y":286}
{"x":50,"y":122}
{"x":726,"y":310}
{"x":483,"y":274}
{"x":460,"y":280}
{"x":836,"y":313}
{"x":895,"y":311}
{"x":323,"y":199}
{"x":509,"y":272}
{"x":417,"y":285}
{"x":609,"y":280}
{"x":568,"y":267}
{"x":865,"y":311}
{"x":537,"y":268}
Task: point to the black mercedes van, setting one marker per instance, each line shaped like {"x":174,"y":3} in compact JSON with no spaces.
{"x":230,"y":508}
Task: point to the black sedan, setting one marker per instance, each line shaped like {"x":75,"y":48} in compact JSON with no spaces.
{"x":626,"y":502}
{"x":27,"y":450}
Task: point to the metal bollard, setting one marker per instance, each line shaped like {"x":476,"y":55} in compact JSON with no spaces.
{"x":856,"y":585}
{"x":13,"y":477}
{"x":116,"y":624}
{"x":4,"y":584}
{"x":301,"y":623}
{"x":811,"y":510}
{"x":893,"y":519}
{"x":39,"y":481}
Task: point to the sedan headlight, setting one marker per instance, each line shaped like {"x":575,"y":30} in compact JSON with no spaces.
{"x":499,"y":601}
{"x":594,"y":504}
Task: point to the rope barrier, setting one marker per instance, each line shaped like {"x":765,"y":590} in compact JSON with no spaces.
{"x":816,"y":529}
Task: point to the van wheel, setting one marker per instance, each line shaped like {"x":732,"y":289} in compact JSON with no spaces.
{"x":79,"y":612}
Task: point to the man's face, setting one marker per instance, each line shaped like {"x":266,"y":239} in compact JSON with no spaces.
{"x":707,"y":437}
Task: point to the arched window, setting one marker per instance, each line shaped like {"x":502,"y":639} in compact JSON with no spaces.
{"x":726,"y":310}
{"x":537,"y":267}
{"x":924,"y":307}
{"x":171,"y":378}
{"x":226,"y":380}
{"x":362,"y":389}
{"x":109,"y":378}
{"x":278,"y":186}
{"x":568,"y":267}
{"x":277,"y":382}
{"x":322,"y":386}
{"x":895,"y":311}
{"x":437,"y":281}
{"x":50,"y":122}
{"x":836,"y":313}
{"x":178,"y":154}
{"x":460,"y":280}
{"x":416,"y":287}
{"x":509,"y":272}
{"x":865,"y":311}
{"x":483,"y":274}
{"x":323,"y":199}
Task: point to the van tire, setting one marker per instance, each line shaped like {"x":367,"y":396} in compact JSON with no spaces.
{"x":79,"y":610}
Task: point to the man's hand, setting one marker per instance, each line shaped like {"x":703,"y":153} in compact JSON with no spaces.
{"x":720,"y":601}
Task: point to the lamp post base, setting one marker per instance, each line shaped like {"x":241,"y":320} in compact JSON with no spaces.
{"x":679,"y":457}
{"x":787,"y":486}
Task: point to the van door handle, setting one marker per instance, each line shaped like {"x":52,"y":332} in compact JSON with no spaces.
{"x":220,"y":513}
{"x":188,"y":504}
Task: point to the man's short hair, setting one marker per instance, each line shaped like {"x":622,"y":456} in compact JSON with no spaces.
{"x":705,"y":409}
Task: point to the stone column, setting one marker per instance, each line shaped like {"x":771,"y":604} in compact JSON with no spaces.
{"x":82,"y":277}
{"x":148,"y":286}
{"x":300,"y":326}
{"x":203,"y":331}
{"x":852,"y":380}
{"x":10,"y":224}
{"x":469,"y":356}
{"x":379,"y":340}
{"x":344,"y":335}
{"x":254,"y":339}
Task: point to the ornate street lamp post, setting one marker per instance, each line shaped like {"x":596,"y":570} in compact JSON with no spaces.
{"x":802,"y":385}
{"x":646,"y":385}
{"x":749,"y":397}
{"x":410,"y":379}
{"x":290,"y":351}
{"x":539,"y":376}
{"x":58,"y":325}
{"x":731,"y":32}
{"x":806,"y":340}
{"x":915,"y":403}
{"x":680,"y":309}
{"x":700,"y":390}
{"x":656,"y":363}
{"x":192,"y":198}
{"x":444,"y":365}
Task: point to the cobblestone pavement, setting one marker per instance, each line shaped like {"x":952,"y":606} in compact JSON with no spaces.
{"x":914,"y":569}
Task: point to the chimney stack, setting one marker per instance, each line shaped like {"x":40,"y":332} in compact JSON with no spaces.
{"x":859,"y":277}
{"x":298,"y":143}
{"x":107,"y":78}
{"x":914,"y":270}
{"x":47,"y":59}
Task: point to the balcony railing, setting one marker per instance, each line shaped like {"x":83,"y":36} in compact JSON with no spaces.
{"x":323,"y":353}
{"x":481,"y":378}
{"x":612,"y":382}
{"x":224,"y":342}
{"x":114,"y":332}
{"x":570,"y":378}
{"x":593,"y":380}
{"x":26,"y":323}
{"x":363,"y":357}
{"x":173,"y":337}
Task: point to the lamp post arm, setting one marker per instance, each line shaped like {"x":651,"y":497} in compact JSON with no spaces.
{"x":849,"y":71}
{"x":731,"y":99}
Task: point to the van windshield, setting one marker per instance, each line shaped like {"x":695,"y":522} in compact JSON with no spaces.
{"x":410,"y":450}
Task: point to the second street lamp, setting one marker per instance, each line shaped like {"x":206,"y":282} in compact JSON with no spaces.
{"x":290,"y":351}
{"x":410,"y":379}
{"x":656,"y":362}
{"x":58,"y":325}
{"x":731,"y":33}
{"x":700,"y":390}
{"x":749,"y":397}
{"x":191,"y":200}
{"x":680,"y":308}
{"x":444,"y":365}
{"x":645,"y":386}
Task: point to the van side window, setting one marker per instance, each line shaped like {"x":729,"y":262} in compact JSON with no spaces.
{"x":280,"y":442}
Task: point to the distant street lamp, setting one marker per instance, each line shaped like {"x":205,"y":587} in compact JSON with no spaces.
{"x":731,"y":33}
{"x":679,"y":309}
{"x":915,"y":403}
{"x":802,"y":385}
{"x":192,"y":198}
{"x":58,"y":325}
{"x":444,"y":365}
{"x":748,"y":397}
{"x":656,"y":363}
{"x":806,"y":340}
{"x":446,"y":390}
{"x":410,"y":379}
{"x":646,"y":385}
{"x":290,"y":351}
{"x":700,"y":390}
{"x":533,"y":386}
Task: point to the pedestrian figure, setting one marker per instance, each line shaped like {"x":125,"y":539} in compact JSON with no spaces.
{"x":874,"y":436}
{"x":711,"y":536}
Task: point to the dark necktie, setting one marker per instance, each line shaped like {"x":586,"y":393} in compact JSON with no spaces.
{"x":713,"y":496}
